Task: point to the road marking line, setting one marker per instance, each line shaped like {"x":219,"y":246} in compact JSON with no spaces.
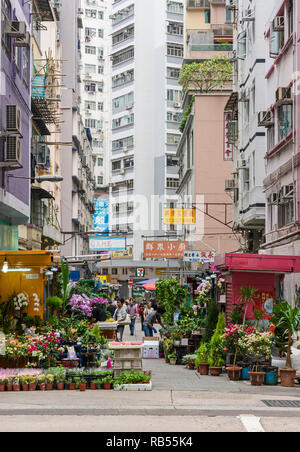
{"x":251,"y":423}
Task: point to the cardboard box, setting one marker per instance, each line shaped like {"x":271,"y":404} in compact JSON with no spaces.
{"x":151,"y":339}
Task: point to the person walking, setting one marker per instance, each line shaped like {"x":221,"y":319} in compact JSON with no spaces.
{"x":120,"y":316}
{"x":153,"y":317}
{"x":141,"y":312}
{"x":132,"y":311}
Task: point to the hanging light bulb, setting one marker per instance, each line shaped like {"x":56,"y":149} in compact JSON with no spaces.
{"x":5,"y":266}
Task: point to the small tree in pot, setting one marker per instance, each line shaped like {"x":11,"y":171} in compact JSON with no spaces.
{"x":288,"y":320}
{"x":201,"y":361}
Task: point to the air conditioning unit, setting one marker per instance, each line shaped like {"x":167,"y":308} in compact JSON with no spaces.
{"x":15,"y":29}
{"x":177,"y":104}
{"x":249,"y":15}
{"x":80,"y":11}
{"x":13,"y":119}
{"x":229,"y":184}
{"x":265,"y":119}
{"x":125,"y":149}
{"x":19,"y":42}
{"x":13,"y":150}
{"x":129,"y":107}
{"x":122,"y":171}
{"x":283,"y":93}
{"x":278,"y":23}
{"x":241,"y":164}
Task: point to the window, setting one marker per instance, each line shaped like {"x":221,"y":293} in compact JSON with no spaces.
{"x":114,"y":271}
{"x":100,"y":161}
{"x":290,"y":17}
{"x":25,"y":66}
{"x":174,"y":7}
{"x":123,"y":121}
{"x":100,"y":106}
{"x":90,"y":87}
{"x":90,"y":68}
{"x":228,"y":15}
{"x":123,"y":56}
{"x":276,"y":41}
{"x":285,"y":120}
{"x":129,"y":163}
{"x":116,"y":166}
{"x":175,"y":28}
{"x":124,"y":77}
{"x":174,"y":95}
{"x":175,"y":50}
{"x":100,"y":87}
{"x":123,"y":35}
{"x":123,"y":101}
{"x":90,"y":50}
{"x":173,"y":72}
{"x":207,"y":16}
{"x":286,"y":206}
{"x":122,"y":143}
{"x":174,"y":117}
{"x":172,"y":161}
{"x":90,"y":32}
{"x":242,"y":45}
{"x":90,"y":105}
{"x":5,"y":16}
{"x":93,"y":123}
{"x":100,"y":15}
{"x":100,"y":33}
{"x":91,"y":13}
{"x":270,"y":138}
{"x":100,"y":69}
{"x":122,"y":14}
{"x":172,"y":182}
{"x":100,"y":180}
{"x":173,"y":138}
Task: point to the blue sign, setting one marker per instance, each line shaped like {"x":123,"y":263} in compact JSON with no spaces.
{"x":101,"y":216}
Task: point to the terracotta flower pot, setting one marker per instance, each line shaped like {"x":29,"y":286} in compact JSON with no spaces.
{"x":93,"y":386}
{"x":2,"y":388}
{"x":167,"y":361}
{"x":32,"y":387}
{"x":25,"y":387}
{"x":215,"y":371}
{"x":60,"y":386}
{"x":203,"y":369}
{"x":234,"y":373}
{"x":49,"y":386}
{"x":287,"y":377}
{"x":9,"y":387}
{"x":82,"y":387}
{"x":257,"y":378}
{"x":72,"y":386}
{"x":16,"y":388}
{"x":106,"y":386}
{"x":191,"y":366}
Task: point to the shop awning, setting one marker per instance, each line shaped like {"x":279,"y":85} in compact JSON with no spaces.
{"x":257,"y":263}
{"x":149,"y":281}
{"x":150,"y":286}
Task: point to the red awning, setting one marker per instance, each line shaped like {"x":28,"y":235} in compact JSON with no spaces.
{"x":258,"y":263}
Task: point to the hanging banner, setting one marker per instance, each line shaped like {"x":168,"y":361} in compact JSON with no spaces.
{"x":228,"y":146}
{"x":104,"y":244}
{"x":101,"y":216}
{"x":199,"y":256}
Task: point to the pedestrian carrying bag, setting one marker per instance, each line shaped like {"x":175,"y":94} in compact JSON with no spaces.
{"x":127,"y":321}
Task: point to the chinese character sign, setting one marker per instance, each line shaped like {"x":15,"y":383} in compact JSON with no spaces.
{"x":179,"y":216}
{"x":101,"y":216}
{"x":165,"y":249}
{"x":199,"y":256}
{"x":228,"y":147}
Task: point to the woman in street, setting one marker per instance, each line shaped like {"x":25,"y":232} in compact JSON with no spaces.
{"x":120,"y":316}
{"x":153,"y":317}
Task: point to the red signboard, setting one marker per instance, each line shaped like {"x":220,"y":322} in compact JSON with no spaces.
{"x":165,"y":249}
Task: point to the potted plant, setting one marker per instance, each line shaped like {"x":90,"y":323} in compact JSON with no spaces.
{"x":2,"y":385}
{"x":82,"y":384}
{"x":24,"y":381}
{"x":49,"y":382}
{"x":16,"y":384}
{"x":60,"y":382}
{"x":8,"y":381}
{"x":173,"y":358}
{"x":190,"y":361}
{"x":32,"y":383}
{"x":216,"y":355}
{"x":93,"y":385}
{"x":107,"y":382}
{"x":201,"y":361}
{"x":41,"y":380}
{"x":71,"y":384}
{"x":256,"y":345}
{"x":168,"y":347}
{"x":288,"y":320}
{"x":233,"y":334}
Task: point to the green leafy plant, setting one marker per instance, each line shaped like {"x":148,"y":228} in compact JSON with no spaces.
{"x":171,"y":296}
{"x":211,"y":321}
{"x":216,"y":356}
{"x":108,"y":379}
{"x":207,"y":75}
{"x":186,"y":115}
{"x":54,"y":304}
{"x":66,"y":286}
{"x":202,"y":354}
{"x":287,"y":320}
{"x":247,"y":296}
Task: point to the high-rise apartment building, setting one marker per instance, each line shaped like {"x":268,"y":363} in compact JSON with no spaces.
{"x":146,"y":57}
{"x":95,"y":86}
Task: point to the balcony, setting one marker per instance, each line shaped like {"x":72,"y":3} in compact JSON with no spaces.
{"x":204,"y":40}
{"x":199,"y":4}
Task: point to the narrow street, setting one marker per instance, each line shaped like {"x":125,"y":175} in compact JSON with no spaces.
{"x":181,"y":401}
